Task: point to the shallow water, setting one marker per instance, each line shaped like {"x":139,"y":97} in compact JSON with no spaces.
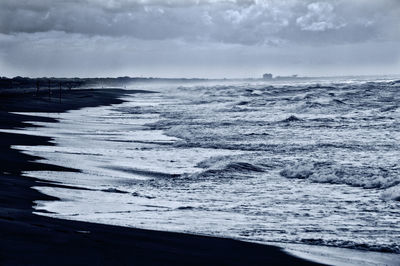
{"x":312,"y":162}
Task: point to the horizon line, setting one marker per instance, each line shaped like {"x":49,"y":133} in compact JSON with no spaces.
{"x":204,"y":78}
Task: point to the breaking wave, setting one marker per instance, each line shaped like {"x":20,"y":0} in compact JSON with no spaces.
{"x":326,"y":172}
{"x":388,"y":248}
{"x":291,"y":118}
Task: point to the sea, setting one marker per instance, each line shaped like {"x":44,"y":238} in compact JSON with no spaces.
{"x":313,"y":161}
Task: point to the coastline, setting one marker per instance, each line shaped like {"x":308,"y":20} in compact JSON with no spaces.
{"x":28,"y":238}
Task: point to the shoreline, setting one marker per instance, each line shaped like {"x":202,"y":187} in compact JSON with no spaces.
{"x":32,"y":239}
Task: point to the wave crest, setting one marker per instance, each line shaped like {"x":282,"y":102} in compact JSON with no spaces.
{"x":329,"y":172}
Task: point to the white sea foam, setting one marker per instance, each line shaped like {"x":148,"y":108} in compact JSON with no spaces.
{"x":326,"y":172}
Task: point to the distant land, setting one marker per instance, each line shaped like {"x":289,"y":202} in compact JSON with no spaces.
{"x":46,"y":82}
{"x":8,"y":84}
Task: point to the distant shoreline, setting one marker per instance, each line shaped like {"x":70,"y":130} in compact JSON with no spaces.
{"x":65,"y":83}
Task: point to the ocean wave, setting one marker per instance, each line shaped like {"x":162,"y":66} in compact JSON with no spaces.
{"x":299,"y":172}
{"x":291,"y":118}
{"x":261,"y":146}
{"x":229,"y":169}
{"x":337,"y":101}
{"x":243,"y":103}
{"x":319,"y":86}
{"x":137,"y":194}
{"x":145,"y":173}
{"x":327,"y":172}
{"x":114,"y":190}
{"x":323,"y":120}
{"x":389,"y":108}
{"x":388,"y":248}
{"x":225,"y":166}
{"x":242,"y":167}
{"x":312,"y":105}
{"x":136,"y":110}
{"x":185,"y":208}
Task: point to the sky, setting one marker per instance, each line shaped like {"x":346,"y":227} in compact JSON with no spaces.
{"x":199,"y":38}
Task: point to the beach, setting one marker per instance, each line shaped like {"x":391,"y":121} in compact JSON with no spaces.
{"x":31,"y":239}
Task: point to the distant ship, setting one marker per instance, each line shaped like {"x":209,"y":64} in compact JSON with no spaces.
{"x":269,"y":76}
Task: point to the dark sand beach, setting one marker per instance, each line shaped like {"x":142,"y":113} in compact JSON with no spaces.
{"x":30,"y":239}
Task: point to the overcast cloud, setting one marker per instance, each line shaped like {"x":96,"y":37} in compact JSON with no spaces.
{"x":241,"y":38}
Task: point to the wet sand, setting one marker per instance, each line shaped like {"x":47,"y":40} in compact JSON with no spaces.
{"x":30,"y":239}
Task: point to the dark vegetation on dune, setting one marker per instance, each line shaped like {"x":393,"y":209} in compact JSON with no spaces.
{"x":53,"y":82}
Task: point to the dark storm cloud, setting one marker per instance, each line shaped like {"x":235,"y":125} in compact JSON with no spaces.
{"x":246,"y":22}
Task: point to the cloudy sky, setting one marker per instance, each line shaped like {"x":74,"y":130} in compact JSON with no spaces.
{"x":198,"y":38}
